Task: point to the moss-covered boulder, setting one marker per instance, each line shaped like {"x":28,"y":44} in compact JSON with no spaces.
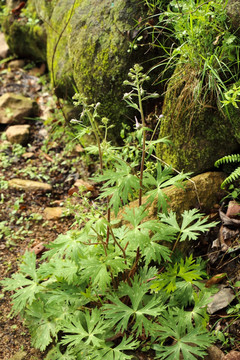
{"x":25,"y":33}
{"x":88,"y":46}
{"x":200,"y":133}
{"x":233,"y":11}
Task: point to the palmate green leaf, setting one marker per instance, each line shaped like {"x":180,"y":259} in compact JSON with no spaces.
{"x":182,"y":295}
{"x":155,"y":252}
{"x":198,"y":314}
{"x":118,"y":184}
{"x":117,"y":353}
{"x":164,"y":178}
{"x":56,"y":354}
{"x":25,"y":289}
{"x":186,"y":270}
{"x":97,"y":269}
{"x":192,"y":224}
{"x":65,"y":269}
{"x":139,"y":235}
{"x":140,"y":309}
{"x":135,"y":215}
{"x":41,"y":324}
{"x":86,"y":330}
{"x":187,"y":340}
{"x":67,"y":245}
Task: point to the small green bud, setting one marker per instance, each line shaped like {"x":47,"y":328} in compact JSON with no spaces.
{"x":105,"y":121}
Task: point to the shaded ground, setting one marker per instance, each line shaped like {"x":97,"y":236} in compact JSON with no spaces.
{"x":24,"y":224}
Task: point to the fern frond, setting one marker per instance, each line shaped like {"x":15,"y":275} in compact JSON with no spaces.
{"x":228,"y":159}
{"x":232,"y":177}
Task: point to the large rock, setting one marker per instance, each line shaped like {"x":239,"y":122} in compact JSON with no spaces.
{"x":18,"y":134}
{"x":15,"y":107}
{"x":25,"y":35}
{"x":92,"y":52}
{"x":202,"y":191}
{"x":200,"y":136}
{"x":233,"y":12}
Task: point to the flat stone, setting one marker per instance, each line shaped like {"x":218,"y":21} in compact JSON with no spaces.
{"x":43,"y":133}
{"x":4,"y":49}
{"x":53,"y":213}
{"x":28,"y":155}
{"x":16,"y":64}
{"x":18,"y":134}
{"x":29,"y":185}
{"x":220,"y":300}
{"x":14,"y":108}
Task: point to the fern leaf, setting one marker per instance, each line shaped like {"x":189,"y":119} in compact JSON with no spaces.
{"x":228,"y":159}
{"x":232,"y":177}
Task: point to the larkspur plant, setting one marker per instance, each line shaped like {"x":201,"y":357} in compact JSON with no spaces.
{"x":98,"y":293}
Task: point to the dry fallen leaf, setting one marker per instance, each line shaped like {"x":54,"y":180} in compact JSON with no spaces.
{"x":38,"y":249}
{"x":215,"y":280}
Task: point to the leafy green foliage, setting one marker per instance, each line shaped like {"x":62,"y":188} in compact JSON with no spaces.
{"x":27,"y":288}
{"x":185,"y":336}
{"x":232,"y":96}
{"x":235,"y":174}
{"x":203,"y":44}
{"x":118,"y":184}
{"x":163,"y":179}
{"x":139,"y":310}
{"x":192,"y":224}
{"x":86,"y":329}
{"x":179,"y":278}
{"x":106,"y":279}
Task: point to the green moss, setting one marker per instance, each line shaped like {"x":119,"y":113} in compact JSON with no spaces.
{"x":25,"y":39}
{"x":200,"y":135}
{"x":93,"y":51}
